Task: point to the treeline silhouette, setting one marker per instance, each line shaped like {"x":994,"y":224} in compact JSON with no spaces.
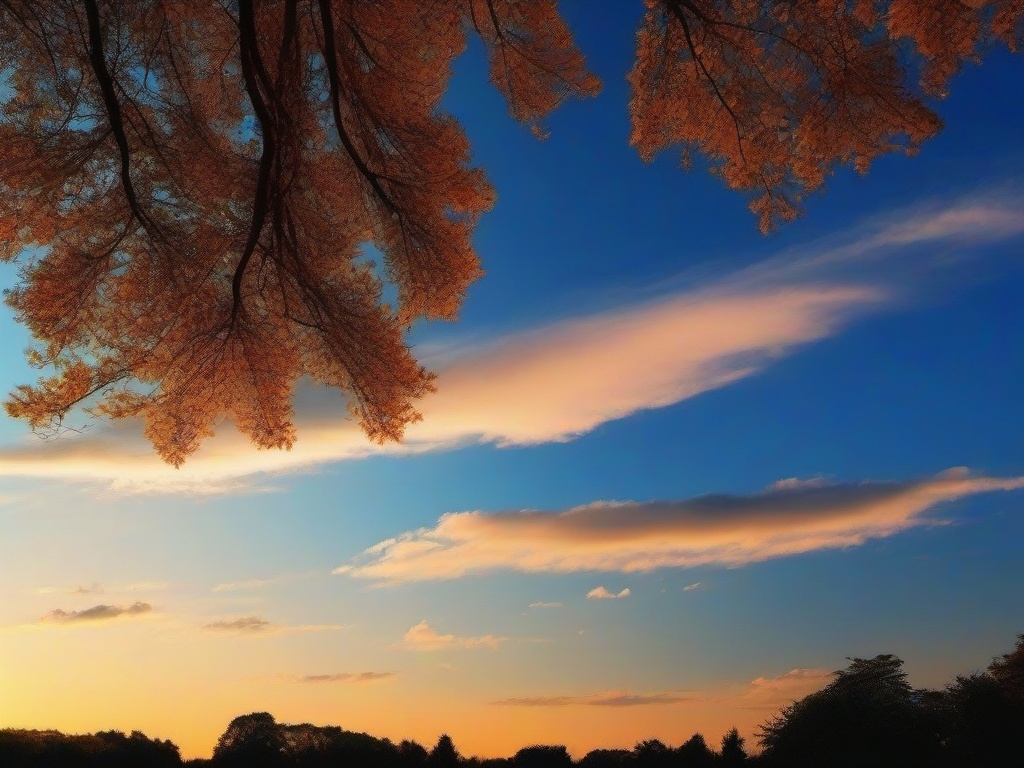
{"x":868,"y":715}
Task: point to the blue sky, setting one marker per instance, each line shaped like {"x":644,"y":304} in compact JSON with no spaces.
{"x":874,"y":340}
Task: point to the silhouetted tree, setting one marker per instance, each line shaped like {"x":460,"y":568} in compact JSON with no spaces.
{"x":191,"y":184}
{"x":608,"y":758}
{"x":412,"y":754}
{"x":653,"y":753}
{"x":695,"y":753}
{"x":732,"y":753}
{"x":106,"y":749}
{"x":541,"y":756}
{"x":250,"y":741}
{"x":444,"y":754}
{"x":979,"y":720}
{"x":868,"y":715}
{"x":1008,"y":670}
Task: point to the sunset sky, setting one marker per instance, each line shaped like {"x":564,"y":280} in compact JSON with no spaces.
{"x":674,"y":473}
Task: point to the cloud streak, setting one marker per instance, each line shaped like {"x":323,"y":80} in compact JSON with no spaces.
{"x":257,"y":625}
{"x":98,"y":613}
{"x":605,"y":699}
{"x":347,"y":677}
{"x":631,"y":537}
{"x":762,"y":693}
{"x":561,"y":380}
{"x":423,"y":637}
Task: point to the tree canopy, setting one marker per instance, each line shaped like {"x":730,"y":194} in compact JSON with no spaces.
{"x":189,"y":184}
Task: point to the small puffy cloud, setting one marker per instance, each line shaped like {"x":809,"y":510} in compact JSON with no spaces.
{"x":347,"y":677}
{"x":605,"y":699}
{"x":257,"y":625}
{"x":95,"y":614}
{"x":545,"y":605}
{"x":600,"y":593}
{"x":691,"y":587}
{"x":423,"y":637}
{"x":631,"y":537}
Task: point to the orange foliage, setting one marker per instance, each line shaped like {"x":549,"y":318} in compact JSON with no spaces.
{"x":190,"y":183}
{"x":777,"y":93}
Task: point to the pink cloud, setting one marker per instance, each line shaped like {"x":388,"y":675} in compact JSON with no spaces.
{"x":600,"y":593}
{"x":423,"y":637}
{"x":632,"y":537}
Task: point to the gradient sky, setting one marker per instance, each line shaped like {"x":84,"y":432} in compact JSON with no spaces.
{"x":674,"y":474}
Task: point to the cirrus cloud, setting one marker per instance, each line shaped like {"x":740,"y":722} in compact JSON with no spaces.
{"x":605,"y":699}
{"x":563,"y":379}
{"x":257,"y":625}
{"x":631,"y":537}
{"x":346,"y":677}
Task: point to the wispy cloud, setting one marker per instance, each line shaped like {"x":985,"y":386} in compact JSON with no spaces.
{"x":605,"y":699}
{"x":423,"y":637}
{"x":770,"y":693}
{"x":97,"y":613}
{"x":260,"y":583}
{"x":95,"y":588}
{"x":633,"y":537}
{"x":794,"y":679}
{"x":232,"y":586}
{"x":146,"y":586}
{"x":88,"y":589}
{"x":79,"y":590}
{"x":545,"y":605}
{"x":561,"y":380}
{"x":600,"y":593}
{"x":257,"y":625}
{"x":691,"y":587}
{"x":347,"y":677}
{"x":762,"y":693}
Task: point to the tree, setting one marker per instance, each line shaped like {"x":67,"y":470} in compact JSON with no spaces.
{"x":695,"y":753}
{"x":444,"y":754}
{"x":732,"y":753}
{"x":980,"y":720}
{"x":1008,"y":670}
{"x":543,"y":756}
{"x":250,"y":741}
{"x":412,"y":754}
{"x":776,"y":94}
{"x":868,"y":715}
{"x":608,"y":758}
{"x":190,"y":185}
{"x":653,"y":753}
{"x":109,"y":749}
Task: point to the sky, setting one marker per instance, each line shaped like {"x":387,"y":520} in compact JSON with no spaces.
{"x":674,"y":474}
